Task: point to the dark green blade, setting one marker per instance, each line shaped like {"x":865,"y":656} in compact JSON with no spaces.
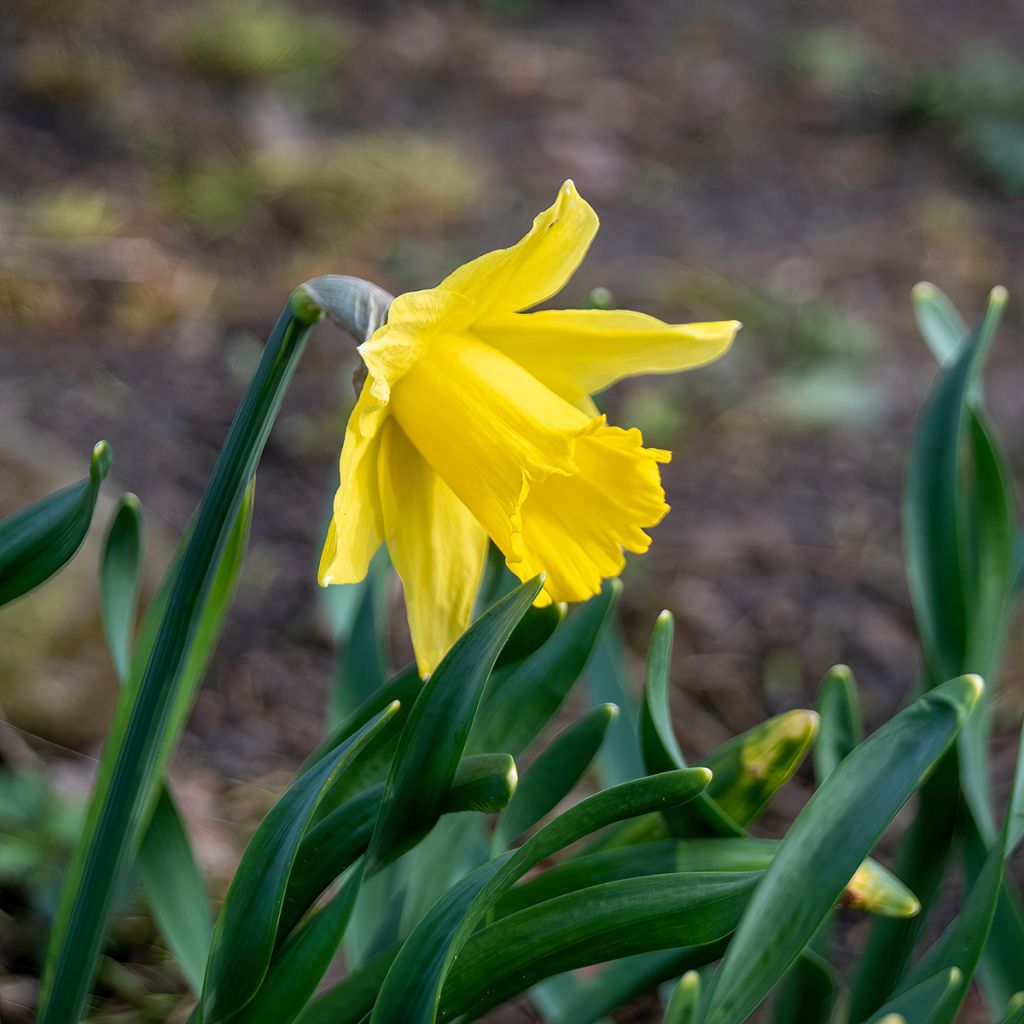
{"x":827,"y":842}
{"x":41,"y":539}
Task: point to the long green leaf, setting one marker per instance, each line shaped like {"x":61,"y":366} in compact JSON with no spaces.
{"x":175,"y":889}
{"x":922,"y":862}
{"x":659,"y":746}
{"x":150,"y":715}
{"x":940,"y":324}
{"x":514,"y":715}
{"x":871,"y":889}
{"x":246,"y":929}
{"x":608,"y":681}
{"x":552,"y":776}
{"x":301,"y":963}
{"x":120,"y":576}
{"x":626,"y":979}
{"x":432,"y":742}
{"x":827,"y":842}
{"x":962,"y":942}
{"x":351,"y":1001}
{"x":840,"y":729}
{"x":412,"y":989}
{"x":926,"y":1002}
{"x":41,"y":539}
{"x":593,"y":925}
{"x":808,"y":993}
{"x":362,"y":664}
{"x":174,"y":885}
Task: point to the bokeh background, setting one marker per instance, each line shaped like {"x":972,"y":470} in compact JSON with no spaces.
{"x":169,"y":171}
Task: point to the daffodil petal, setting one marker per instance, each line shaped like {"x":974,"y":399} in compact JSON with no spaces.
{"x":576,"y":528}
{"x":356,"y":529}
{"x":436,"y":546}
{"x":537,"y":266}
{"x":577,"y":352}
{"x":488,"y":428}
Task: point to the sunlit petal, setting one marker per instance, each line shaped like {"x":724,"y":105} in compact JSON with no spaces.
{"x":578,"y":352}
{"x":357,"y":528}
{"x":436,"y":545}
{"x":537,"y":266}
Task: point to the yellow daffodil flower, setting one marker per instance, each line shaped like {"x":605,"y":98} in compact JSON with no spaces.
{"x":475,"y":421}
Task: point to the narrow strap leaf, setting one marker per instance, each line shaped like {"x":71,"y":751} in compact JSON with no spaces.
{"x":827,"y":842}
{"x":40,"y":540}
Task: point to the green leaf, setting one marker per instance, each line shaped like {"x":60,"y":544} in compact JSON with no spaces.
{"x":175,"y":889}
{"x":594,"y":925}
{"x":150,"y":715}
{"x":361,"y":666}
{"x":40,"y":540}
{"x":412,"y":989}
{"x":350,"y":1001}
{"x":626,"y":979}
{"x":962,"y":942}
{"x":327,"y":849}
{"x":174,"y":885}
{"x":659,"y":746}
{"x":531,"y":633}
{"x":246,"y":929}
{"x":120,"y":576}
{"x":404,"y":687}
{"x":302,"y":961}
{"x":927,"y":1001}
{"x":684,"y":1005}
{"x":840,"y":728}
{"x":871,"y":889}
{"x":922,"y":862}
{"x":432,"y":742}
{"x":808,"y":993}
{"x":482,"y":783}
{"x":748,"y":770}
{"x":940,"y":324}
{"x":608,"y":682}
{"x":554,"y":773}
{"x":827,"y":842}
{"x":515,"y":713}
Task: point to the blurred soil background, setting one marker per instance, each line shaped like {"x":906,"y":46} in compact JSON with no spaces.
{"x":170,"y":171}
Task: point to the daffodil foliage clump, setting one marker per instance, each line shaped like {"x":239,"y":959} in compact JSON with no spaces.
{"x":413,"y":846}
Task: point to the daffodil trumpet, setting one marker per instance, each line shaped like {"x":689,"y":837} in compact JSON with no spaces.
{"x":475,"y":421}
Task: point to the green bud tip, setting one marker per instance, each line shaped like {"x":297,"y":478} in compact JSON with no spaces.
{"x":923,"y":291}
{"x":304,"y":305}
{"x":512,"y":776}
{"x":976,"y":684}
{"x":690,"y":980}
{"x":706,"y":772}
{"x":130,"y":500}
{"x":892,"y":1018}
{"x":611,"y":710}
{"x":999,"y":296}
{"x":802,"y":722}
{"x":616,"y":588}
{"x":99,"y":464}
{"x":665,"y":616}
